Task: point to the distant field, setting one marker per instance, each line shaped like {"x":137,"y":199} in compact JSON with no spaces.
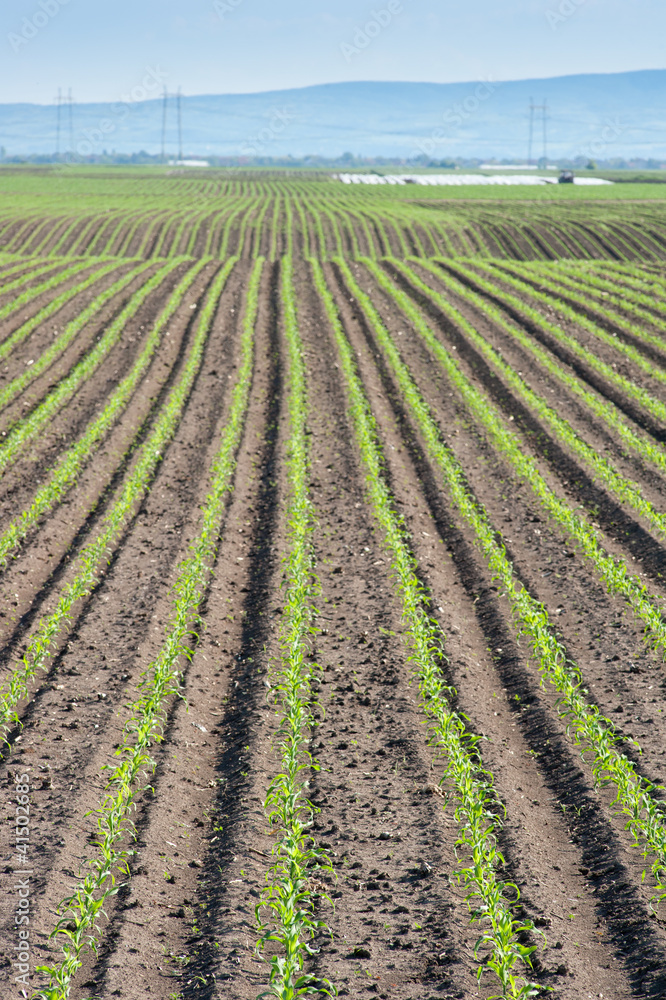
{"x":332,"y":533}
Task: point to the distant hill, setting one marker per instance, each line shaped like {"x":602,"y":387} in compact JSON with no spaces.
{"x":600,"y":116}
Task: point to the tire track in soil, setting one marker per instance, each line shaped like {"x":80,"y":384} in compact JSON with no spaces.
{"x":31,"y":579}
{"x":601,"y":856}
{"x":127,"y":608}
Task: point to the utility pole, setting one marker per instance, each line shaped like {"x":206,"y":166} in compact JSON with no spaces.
{"x":180,"y":126}
{"x":164,"y":122}
{"x":543,"y":108}
{"x":58,"y":113}
{"x":70,"y":102}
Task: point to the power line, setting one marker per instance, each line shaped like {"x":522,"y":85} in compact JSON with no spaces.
{"x":58,"y":122}
{"x":543,"y":108}
{"x":70,"y":102}
{"x":180,"y":126}
{"x":164,"y":121}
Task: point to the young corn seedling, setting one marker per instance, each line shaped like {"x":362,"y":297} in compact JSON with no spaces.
{"x":637,"y":798}
{"x":288,"y":895}
{"x":478,"y":811}
{"x":78,"y":927}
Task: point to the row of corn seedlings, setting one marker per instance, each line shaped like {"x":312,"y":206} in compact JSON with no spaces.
{"x":558,"y":285}
{"x":54,"y":305}
{"x":619,"y":294}
{"x":522,"y":308}
{"x":28,"y":271}
{"x":637,"y":798}
{"x":613,"y":571}
{"x":78,"y":927}
{"x":624,"y":489}
{"x":29,"y":427}
{"x":45,"y":638}
{"x":652,"y":405}
{"x":291,"y":923}
{"x":66,"y":470}
{"x":606,"y":411}
{"x":477,"y":807}
{"x":45,"y":358}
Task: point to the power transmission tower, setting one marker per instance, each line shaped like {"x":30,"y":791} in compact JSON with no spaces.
{"x":543,"y":108}
{"x":70,"y":104}
{"x":58,"y":122}
{"x":164,"y":122}
{"x":180,"y":126}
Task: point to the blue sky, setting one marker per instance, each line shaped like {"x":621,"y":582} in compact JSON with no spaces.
{"x":104,"y":48}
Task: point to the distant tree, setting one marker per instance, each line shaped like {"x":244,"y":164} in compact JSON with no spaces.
{"x":591,"y":165}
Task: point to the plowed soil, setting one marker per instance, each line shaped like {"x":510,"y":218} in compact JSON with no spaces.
{"x":183,"y":922}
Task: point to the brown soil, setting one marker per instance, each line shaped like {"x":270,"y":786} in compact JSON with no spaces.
{"x":183,"y":922}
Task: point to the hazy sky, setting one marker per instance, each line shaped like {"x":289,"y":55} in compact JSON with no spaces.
{"x":104,"y":48}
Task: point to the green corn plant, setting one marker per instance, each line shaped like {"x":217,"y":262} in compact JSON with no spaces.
{"x":44,"y":639}
{"x":637,"y":798}
{"x":66,"y":471}
{"x":625,"y":490}
{"x":640,"y":443}
{"x":288,"y":897}
{"x":559,"y":286}
{"x":45,"y":358}
{"x":78,"y":928}
{"x":632,"y":389}
{"x":26,"y":430}
{"x":56,"y":303}
{"x":478,"y":811}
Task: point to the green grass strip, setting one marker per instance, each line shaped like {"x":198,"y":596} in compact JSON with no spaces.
{"x":606,"y":411}
{"x":66,"y":471}
{"x":477,"y":807}
{"x":26,"y":430}
{"x":96,"y":554}
{"x":288,"y":896}
{"x":637,"y":798}
{"x":624,"y":489}
{"x":162,"y":678}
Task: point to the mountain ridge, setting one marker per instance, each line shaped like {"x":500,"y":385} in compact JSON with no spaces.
{"x":596,"y":115}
